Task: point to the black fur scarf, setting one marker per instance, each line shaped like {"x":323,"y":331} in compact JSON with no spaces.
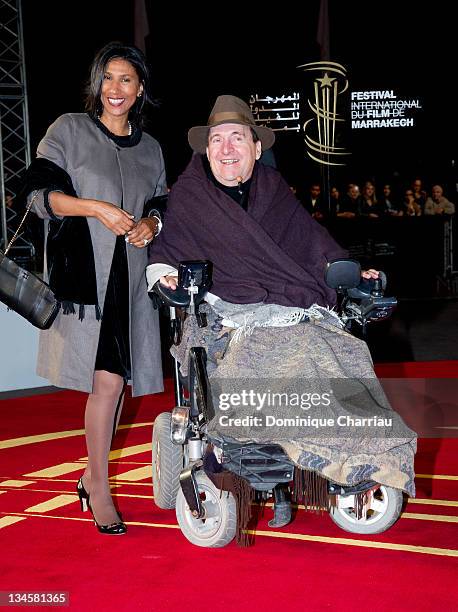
{"x":69,"y":253}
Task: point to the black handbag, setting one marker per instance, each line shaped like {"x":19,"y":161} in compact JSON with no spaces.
{"x":24,"y":292}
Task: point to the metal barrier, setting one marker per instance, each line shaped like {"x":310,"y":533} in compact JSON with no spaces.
{"x":14,"y":126}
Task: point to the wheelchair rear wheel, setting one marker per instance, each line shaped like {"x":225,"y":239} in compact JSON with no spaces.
{"x":167,"y":459}
{"x":218,"y":527}
{"x":382,"y":510}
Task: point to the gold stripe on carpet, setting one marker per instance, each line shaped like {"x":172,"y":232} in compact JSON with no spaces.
{"x":132,"y":483}
{"x":75,"y":497}
{"x":40,"y":438}
{"x":134,"y":496}
{"x":56,"y":470}
{"x":437,"y":476}
{"x":429,"y":517}
{"x":51,"y":504}
{"x":120,"y":462}
{"x":134,"y":425}
{"x":119,"y":482}
{"x":75,"y":480}
{"x":441,"y":518}
{"x":6,"y":521}
{"x":16,"y":483}
{"x":65,"y":499}
{"x":427,"y":550}
{"x":433,"y":502}
{"x":132,"y":475}
{"x":65,"y":518}
{"x":57,"y":435}
{"x":127,"y":452}
{"x":130,"y":450}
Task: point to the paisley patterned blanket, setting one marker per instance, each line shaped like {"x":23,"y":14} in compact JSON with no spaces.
{"x":312,"y":389}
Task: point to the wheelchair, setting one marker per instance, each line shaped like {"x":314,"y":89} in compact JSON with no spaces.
{"x":182,"y":448}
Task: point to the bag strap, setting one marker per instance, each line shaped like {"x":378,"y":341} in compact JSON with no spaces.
{"x":16,"y":233}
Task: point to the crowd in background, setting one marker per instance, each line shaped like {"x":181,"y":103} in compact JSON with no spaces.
{"x":376,"y":201}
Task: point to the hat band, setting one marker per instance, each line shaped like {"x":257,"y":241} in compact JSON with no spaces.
{"x":229,"y":117}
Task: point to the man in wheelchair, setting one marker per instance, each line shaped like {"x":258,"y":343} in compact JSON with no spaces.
{"x":278,"y":386}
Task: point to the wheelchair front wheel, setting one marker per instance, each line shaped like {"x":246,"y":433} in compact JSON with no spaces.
{"x":218,"y":527}
{"x":167,"y":460}
{"x":382,"y":510}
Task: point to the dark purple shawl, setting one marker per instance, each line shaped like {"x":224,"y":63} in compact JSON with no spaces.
{"x":275,"y":253}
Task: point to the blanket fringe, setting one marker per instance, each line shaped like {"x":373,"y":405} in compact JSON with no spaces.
{"x":361,"y":500}
{"x":314,"y":312}
{"x":244,"y":496}
{"x":311,"y":489}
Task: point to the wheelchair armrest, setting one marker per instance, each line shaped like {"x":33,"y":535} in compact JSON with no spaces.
{"x":178,"y":297}
{"x":341,"y":274}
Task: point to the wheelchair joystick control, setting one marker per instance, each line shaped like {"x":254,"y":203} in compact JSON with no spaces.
{"x":377,"y":291}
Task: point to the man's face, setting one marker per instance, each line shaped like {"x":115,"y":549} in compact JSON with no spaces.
{"x":436,"y":193}
{"x":232,"y":153}
{"x":354,"y":192}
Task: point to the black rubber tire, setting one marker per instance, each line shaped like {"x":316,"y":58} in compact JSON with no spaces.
{"x":392,"y":500}
{"x":167,"y":462}
{"x":223,"y":524}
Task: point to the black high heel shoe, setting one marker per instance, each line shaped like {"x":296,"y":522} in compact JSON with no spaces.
{"x":118,"y":528}
{"x":83,"y":495}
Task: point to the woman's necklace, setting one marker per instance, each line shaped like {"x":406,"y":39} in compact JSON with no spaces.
{"x":129,"y":124}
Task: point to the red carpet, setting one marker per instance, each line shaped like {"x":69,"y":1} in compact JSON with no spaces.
{"x":311,"y":564}
{"x":418,"y":369}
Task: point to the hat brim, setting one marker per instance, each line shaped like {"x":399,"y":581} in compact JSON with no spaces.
{"x":198,"y":136}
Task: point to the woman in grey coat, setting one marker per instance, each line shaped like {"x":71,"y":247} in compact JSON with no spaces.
{"x":104,"y":175}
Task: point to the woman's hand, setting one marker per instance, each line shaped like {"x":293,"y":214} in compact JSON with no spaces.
{"x":143,"y":232}
{"x":116,"y":219}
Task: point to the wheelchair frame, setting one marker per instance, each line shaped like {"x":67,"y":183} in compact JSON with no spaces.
{"x":265,"y":466}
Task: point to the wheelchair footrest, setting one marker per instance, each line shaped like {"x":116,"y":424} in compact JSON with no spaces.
{"x":282,"y":514}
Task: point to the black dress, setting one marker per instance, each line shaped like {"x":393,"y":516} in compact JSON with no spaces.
{"x":113,"y":353}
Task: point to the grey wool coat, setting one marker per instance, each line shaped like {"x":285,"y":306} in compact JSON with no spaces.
{"x":101,"y":170}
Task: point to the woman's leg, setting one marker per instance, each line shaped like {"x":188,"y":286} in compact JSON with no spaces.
{"x":102,"y":411}
{"x":118,"y":412}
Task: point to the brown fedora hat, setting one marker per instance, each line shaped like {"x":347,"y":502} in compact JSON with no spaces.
{"x":228,"y":109}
